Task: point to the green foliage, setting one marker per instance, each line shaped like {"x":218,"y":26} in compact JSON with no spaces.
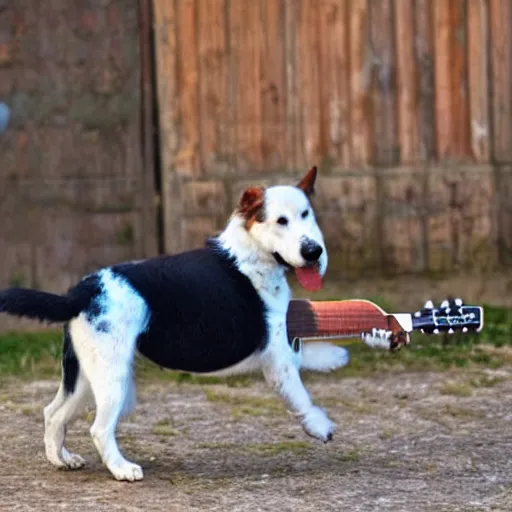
{"x":30,"y":353}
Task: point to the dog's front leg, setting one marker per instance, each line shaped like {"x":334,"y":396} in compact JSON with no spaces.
{"x":282,"y":374}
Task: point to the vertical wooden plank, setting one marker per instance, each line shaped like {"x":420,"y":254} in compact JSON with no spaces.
{"x":360,"y":69}
{"x":165,"y":57}
{"x":478,"y":76}
{"x":334,"y":82}
{"x":213,"y":95}
{"x":246,"y":31}
{"x":452,"y":105}
{"x":165,"y":23}
{"x":309,"y":80}
{"x":444,"y":125}
{"x":189,"y":156}
{"x":501,"y":62}
{"x":147,"y":225}
{"x":424,"y":54}
{"x":407,"y":97}
{"x":273,"y":93}
{"x":293,"y":149}
{"x":458,"y":79}
{"x":383,"y":91}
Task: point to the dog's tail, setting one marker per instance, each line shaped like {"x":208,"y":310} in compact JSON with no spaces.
{"x":45,"y":306}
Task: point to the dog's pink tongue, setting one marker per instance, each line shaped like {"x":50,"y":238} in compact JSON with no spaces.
{"x":309,"y":278}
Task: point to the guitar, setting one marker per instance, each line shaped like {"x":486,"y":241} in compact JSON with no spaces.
{"x":316,"y":320}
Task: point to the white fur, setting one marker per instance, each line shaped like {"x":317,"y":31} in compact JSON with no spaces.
{"x":106,"y":357}
{"x":378,"y":338}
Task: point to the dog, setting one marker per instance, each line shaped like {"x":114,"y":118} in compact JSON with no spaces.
{"x":217,"y":310}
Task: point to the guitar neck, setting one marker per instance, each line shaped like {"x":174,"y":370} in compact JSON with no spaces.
{"x":339,"y":319}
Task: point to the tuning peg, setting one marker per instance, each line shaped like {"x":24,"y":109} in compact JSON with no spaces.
{"x":459,"y":302}
{"x":436,"y":331}
{"x":445,"y":304}
{"x":464,"y":329}
{"x":428,"y":305}
{"x":417,"y":314}
{"x":422,"y":331}
{"x":450,"y":331}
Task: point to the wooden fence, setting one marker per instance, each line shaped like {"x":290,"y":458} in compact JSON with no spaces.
{"x":404,"y":104}
{"x":273,"y":84}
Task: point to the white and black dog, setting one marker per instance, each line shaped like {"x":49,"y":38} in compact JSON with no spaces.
{"x":216,"y":310}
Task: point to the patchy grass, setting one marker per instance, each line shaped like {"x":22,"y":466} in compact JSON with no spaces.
{"x":271,"y":449}
{"x":455,"y":388}
{"x":485,"y":381}
{"x":165,"y":428}
{"x":351,"y":456}
{"x":246,"y":405}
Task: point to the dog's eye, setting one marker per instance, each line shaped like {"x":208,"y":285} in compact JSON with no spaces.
{"x":283,"y":221}
{"x":304,"y":214}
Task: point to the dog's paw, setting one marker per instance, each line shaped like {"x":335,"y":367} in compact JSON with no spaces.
{"x":127,"y":471}
{"x":378,"y":338}
{"x":72,"y":460}
{"x":317,"y":424}
{"x":323,"y":357}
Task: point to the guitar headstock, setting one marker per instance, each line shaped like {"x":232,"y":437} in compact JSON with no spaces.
{"x":452,"y":316}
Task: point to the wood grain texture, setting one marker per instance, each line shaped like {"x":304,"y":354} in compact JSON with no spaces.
{"x":246,"y":45}
{"x":459,"y":79}
{"x":188,"y":162}
{"x":478,"y":78}
{"x":215,"y":129}
{"x":444,"y":113}
{"x":309,"y":78}
{"x":501,"y":76}
{"x":273,"y":84}
{"x":407,"y":83}
{"x":329,"y":319}
{"x":166,"y":44}
{"x":360,"y":79}
{"x":294,"y":151}
{"x":384,"y":146}
{"x":424,"y":55}
{"x":452,"y":100}
{"x":334,"y":82}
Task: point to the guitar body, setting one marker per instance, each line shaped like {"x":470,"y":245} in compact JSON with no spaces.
{"x":343,"y":318}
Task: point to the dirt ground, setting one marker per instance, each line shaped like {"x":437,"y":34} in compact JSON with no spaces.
{"x":405,"y":442}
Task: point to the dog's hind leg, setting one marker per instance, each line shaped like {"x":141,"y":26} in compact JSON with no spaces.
{"x":64,"y":407}
{"x":105,"y":347}
{"x":71,"y":398}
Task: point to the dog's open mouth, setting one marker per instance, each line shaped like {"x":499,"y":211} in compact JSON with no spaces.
{"x":308,"y":276}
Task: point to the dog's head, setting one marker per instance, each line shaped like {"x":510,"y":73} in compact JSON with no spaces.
{"x":282,"y":222}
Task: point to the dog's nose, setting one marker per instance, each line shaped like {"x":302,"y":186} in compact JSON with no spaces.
{"x":311,"y":251}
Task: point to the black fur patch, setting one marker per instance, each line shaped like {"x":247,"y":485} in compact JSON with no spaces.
{"x":103,"y":326}
{"x":70,"y":364}
{"x":50,"y":307}
{"x":205,"y":314}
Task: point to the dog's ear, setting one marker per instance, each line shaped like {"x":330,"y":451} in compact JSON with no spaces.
{"x":307,"y":183}
{"x":251,"y":204}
